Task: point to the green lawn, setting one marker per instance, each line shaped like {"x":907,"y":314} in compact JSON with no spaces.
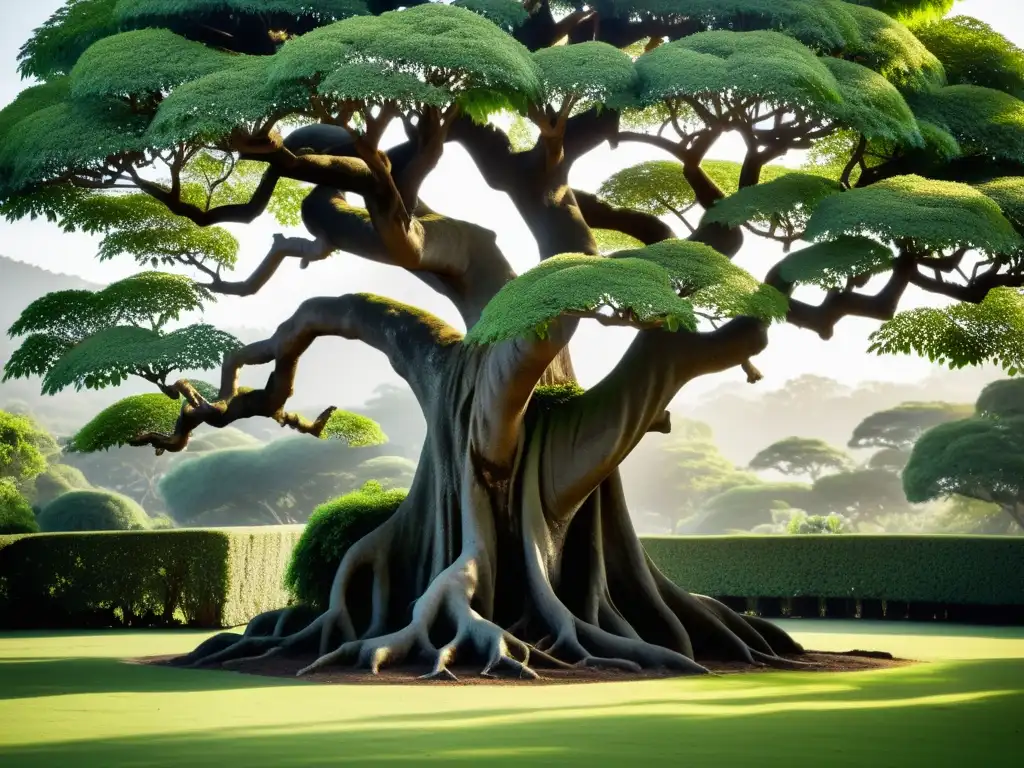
{"x":67,"y":700}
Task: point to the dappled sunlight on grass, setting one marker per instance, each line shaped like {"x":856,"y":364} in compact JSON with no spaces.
{"x":113,"y":715}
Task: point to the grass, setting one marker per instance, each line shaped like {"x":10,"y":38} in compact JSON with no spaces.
{"x":66,"y":699}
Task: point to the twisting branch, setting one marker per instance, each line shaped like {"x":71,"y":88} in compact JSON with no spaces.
{"x":599,"y":429}
{"x":284,"y":247}
{"x":415,"y":342}
{"x":237,"y":213}
{"x":645,"y":227}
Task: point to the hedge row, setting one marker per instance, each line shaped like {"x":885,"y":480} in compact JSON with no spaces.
{"x":202,"y":578}
{"x":964,"y":570}
{"x":222,"y":578}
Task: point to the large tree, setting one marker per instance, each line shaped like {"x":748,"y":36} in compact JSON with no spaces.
{"x":981,"y":457}
{"x":156,"y":121}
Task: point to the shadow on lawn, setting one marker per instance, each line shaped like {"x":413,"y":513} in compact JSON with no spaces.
{"x":30,"y":678}
{"x":935,"y":715}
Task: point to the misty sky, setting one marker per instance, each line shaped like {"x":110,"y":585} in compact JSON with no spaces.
{"x":456,"y":189}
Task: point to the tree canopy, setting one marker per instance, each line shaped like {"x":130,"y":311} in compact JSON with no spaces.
{"x":802,"y":456}
{"x":25,"y":449}
{"x":900,"y":427}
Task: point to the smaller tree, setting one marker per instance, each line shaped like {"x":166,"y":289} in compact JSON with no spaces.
{"x":93,"y":511}
{"x":802,"y":456}
{"x":900,"y":427}
{"x":1003,"y":398}
{"x":745,"y":507}
{"x":16,"y":514}
{"x":980,"y":457}
{"x":25,"y":449}
{"x":864,"y":495}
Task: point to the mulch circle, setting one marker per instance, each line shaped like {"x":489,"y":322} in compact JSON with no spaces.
{"x":850,"y":661}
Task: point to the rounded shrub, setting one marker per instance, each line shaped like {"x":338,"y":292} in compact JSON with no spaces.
{"x":93,"y":511}
{"x":57,"y":480}
{"x":333,"y":527}
{"x":16,"y":514}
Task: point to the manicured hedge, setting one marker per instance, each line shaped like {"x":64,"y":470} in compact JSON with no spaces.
{"x":203,"y":578}
{"x":967,"y":570}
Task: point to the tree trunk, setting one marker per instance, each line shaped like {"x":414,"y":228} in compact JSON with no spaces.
{"x":482,"y":565}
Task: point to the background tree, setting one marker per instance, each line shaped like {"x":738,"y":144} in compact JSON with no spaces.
{"x":57,"y":480}
{"x":92,"y":511}
{"x":802,"y":456}
{"x":25,"y":449}
{"x":669,"y":479}
{"x":864,"y":495}
{"x":895,"y":430}
{"x":981,"y":457}
{"x":274,"y":484}
{"x":16,"y":514}
{"x":745,"y":507}
{"x":156,"y":96}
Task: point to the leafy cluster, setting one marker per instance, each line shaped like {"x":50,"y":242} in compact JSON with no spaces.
{"x":24,"y":449}
{"x":92,"y":511}
{"x":16,"y":514}
{"x":125,"y":420}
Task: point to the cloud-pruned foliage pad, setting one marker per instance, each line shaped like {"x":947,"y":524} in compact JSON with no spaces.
{"x":354,"y":429}
{"x":790,"y":199}
{"x":125,"y":420}
{"x":828,"y":264}
{"x":933,"y":214}
{"x":962,"y":334}
{"x":973,"y":53}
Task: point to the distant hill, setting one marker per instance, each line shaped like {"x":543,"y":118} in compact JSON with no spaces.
{"x":336,"y":371}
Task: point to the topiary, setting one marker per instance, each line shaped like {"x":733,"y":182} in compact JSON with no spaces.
{"x":57,"y":480}
{"x":93,"y":511}
{"x":333,"y":527}
{"x":15,"y":512}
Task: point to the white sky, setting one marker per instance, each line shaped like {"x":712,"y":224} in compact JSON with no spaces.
{"x":456,"y":189}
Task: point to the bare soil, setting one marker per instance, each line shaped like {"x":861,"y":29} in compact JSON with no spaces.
{"x":812,"y":661}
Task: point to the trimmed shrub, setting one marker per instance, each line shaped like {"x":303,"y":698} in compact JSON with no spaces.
{"x":92,"y":511}
{"x":57,"y":480}
{"x":16,"y":514}
{"x":203,"y":578}
{"x":978,"y":570}
{"x":332,"y":528}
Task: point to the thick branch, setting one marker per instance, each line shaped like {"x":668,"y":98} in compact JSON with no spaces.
{"x":415,"y":343}
{"x":598,"y":430}
{"x":645,"y":227}
{"x":238,"y":213}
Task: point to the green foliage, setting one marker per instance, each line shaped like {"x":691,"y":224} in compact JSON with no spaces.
{"x":786,"y":202}
{"x":125,"y":420}
{"x":57,"y":480}
{"x":1003,"y":398}
{"x":909,"y":10}
{"x":92,"y":511}
{"x":980,"y":570}
{"x":716,"y":62}
{"x":54,"y":47}
{"x":746,"y":506}
{"x":110,"y":356}
{"x":239,"y":94}
{"x":332,"y":530}
{"x":142,"y":62}
{"x":202,"y":578}
{"x":591,"y":71}
{"x":576,"y":283}
{"x":68,"y":136}
{"x":659,"y":187}
{"x":801,"y":456}
{"x":888,"y":47}
{"x":825,"y":25}
{"x":981,"y":458}
{"x":982,"y":121}
{"x":871,"y":105}
{"x":212,"y":180}
{"x":396,"y":49}
{"x":549,"y":397}
{"x":30,"y":101}
{"x":804,"y":525}
{"x":16,"y":514}
{"x":828,"y":264}
{"x":354,"y":429}
{"x":972,"y":53}
{"x":863,"y":495}
{"x":710,"y":280}
{"x":610,"y":240}
{"x":962,"y":334}
{"x":1008,"y":194}
{"x":24,"y":448}
{"x":900,"y":427}
{"x":507,"y":14}
{"x":932,"y":214}
{"x":890,"y":460}
{"x":147,"y":11}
